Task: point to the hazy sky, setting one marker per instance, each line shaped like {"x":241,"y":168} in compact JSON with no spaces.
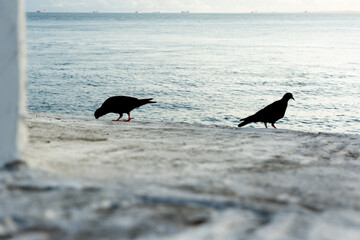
{"x":192,"y":5}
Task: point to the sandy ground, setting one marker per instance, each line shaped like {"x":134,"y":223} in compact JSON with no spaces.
{"x":97,"y":179}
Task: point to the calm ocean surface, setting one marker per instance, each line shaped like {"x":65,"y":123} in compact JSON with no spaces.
{"x":209,"y":69}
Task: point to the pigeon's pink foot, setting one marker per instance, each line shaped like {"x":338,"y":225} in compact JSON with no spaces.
{"x":128,"y":120}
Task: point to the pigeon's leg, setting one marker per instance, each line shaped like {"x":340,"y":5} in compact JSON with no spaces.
{"x":118,"y":118}
{"x":265,"y":124}
{"x":273,"y":125}
{"x":129,"y":119}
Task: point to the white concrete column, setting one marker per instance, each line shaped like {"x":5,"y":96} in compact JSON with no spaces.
{"x":12,"y":81}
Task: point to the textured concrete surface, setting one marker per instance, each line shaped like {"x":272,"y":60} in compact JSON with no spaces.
{"x":88,"y":179}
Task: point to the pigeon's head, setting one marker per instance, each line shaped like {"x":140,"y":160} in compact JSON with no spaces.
{"x":98,"y":113}
{"x":288,"y":96}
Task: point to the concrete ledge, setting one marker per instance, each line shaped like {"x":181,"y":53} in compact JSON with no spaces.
{"x":90,"y":179}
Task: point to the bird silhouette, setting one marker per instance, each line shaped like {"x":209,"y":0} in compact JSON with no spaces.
{"x":269,"y":114}
{"x":121,"y":105}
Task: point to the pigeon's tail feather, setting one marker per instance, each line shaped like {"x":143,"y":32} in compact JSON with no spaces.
{"x":246,"y":121}
{"x":146,"y":101}
{"x":243,"y":123}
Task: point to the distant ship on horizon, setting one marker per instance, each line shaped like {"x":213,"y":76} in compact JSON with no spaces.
{"x":185,"y":11}
{"x":41,"y":11}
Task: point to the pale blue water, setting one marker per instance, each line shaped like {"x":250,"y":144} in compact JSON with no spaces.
{"x":201,"y":68}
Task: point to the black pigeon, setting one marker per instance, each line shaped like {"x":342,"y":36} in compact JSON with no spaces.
{"x":120,"y":105}
{"x":269,"y":114}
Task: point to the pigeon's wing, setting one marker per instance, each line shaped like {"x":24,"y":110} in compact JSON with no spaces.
{"x":264,"y":113}
{"x":129,"y":103}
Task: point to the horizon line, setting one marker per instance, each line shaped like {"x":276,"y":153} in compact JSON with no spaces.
{"x":189,"y":12}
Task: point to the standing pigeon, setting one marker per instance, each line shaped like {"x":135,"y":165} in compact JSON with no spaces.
{"x":269,"y":114}
{"x":120,"y":105}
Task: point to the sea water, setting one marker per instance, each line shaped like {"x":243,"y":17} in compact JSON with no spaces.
{"x":210,"y":69}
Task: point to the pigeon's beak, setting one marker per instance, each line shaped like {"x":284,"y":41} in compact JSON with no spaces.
{"x":293,"y":98}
